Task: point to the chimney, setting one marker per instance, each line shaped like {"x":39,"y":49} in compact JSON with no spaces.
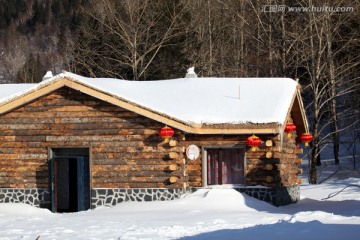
{"x":47,"y":76}
{"x":191,"y":73}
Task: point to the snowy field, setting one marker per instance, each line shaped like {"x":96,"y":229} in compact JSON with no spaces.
{"x":330,"y":210}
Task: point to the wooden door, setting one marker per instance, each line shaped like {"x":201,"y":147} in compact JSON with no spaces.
{"x":70,"y":184}
{"x":225,"y":166}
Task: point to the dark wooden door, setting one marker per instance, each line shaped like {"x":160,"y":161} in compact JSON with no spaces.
{"x":70,"y":183}
{"x":225,"y":166}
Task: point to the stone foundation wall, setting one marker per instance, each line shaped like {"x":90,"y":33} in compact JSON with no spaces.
{"x":38,"y":197}
{"x":99,"y":197}
{"x":109,"y":197}
{"x":276,"y":196}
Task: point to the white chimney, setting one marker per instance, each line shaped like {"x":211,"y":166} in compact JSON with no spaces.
{"x":47,"y":76}
{"x":191,"y":73}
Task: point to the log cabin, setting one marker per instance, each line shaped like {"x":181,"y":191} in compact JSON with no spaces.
{"x":71,"y":143}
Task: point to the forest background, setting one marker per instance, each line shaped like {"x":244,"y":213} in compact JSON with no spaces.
{"x":314,"y":42}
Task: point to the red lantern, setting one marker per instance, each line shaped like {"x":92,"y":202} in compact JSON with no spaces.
{"x":306,"y":138}
{"x":166,"y":133}
{"x":253,"y":142}
{"x":289,"y":128}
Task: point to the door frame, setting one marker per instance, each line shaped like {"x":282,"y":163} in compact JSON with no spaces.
{"x":204,"y":167}
{"x":52,"y":162}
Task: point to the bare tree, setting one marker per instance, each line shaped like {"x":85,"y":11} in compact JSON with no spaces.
{"x":321,"y":45}
{"x":123,"y":38}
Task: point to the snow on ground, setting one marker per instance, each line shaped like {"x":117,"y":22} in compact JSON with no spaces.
{"x":330,"y":210}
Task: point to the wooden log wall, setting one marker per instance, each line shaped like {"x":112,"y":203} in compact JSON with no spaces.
{"x":126,"y":151}
{"x":281,"y":154}
{"x":273,"y":164}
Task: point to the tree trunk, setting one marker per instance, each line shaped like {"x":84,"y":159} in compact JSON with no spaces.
{"x":333,"y":104}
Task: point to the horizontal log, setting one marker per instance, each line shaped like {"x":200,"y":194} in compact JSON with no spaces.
{"x":71,"y":131}
{"x":84,"y":138}
{"x":131,"y":179}
{"x":22,"y":150}
{"x":38,"y":169}
{"x":119,"y":147}
{"x":269,"y":167}
{"x":133,"y":185}
{"x":21,"y":156}
{"x":298,"y":161}
{"x":131,"y":167}
{"x":193,"y":167}
{"x":101,"y":122}
{"x":173,"y":155}
{"x":25,"y":126}
{"x":288,"y":150}
{"x":277,"y":149}
{"x":131,"y":156}
{"x":7,"y":138}
{"x":255,"y":155}
{"x":109,"y":168}
{"x":284,"y":155}
{"x":133,"y":162}
{"x":30,"y":138}
{"x":150,"y":179}
{"x":113,"y":185}
{"x":194,"y":179}
{"x":173,"y":167}
{"x":299,"y":151}
{"x":149,"y":185}
{"x":173,"y":179}
{"x":128,"y":176}
{"x":269,"y":143}
{"x":104,"y":114}
{"x":112,"y":146}
{"x":269,"y":154}
{"x":172,"y":143}
{"x":269,"y":179}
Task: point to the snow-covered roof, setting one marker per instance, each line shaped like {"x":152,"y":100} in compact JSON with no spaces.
{"x":8,"y":91}
{"x":195,"y":101}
